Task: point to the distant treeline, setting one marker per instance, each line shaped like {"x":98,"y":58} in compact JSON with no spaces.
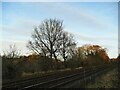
{"x":53,"y":49}
{"x":15,"y":67}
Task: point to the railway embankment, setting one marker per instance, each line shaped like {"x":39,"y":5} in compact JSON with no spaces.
{"x":106,"y":80}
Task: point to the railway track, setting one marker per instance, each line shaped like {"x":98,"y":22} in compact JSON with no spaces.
{"x":52,"y":81}
{"x":31,"y":81}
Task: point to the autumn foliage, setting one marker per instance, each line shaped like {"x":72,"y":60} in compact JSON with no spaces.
{"x":92,"y":54}
{"x":53,"y":49}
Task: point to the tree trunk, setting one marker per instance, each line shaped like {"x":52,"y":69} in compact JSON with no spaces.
{"x":65,"y":63}
{"x":57,"y":63}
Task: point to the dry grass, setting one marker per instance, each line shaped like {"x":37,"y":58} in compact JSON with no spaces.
{"x":29,"y":75}
{"x":107,"y":80}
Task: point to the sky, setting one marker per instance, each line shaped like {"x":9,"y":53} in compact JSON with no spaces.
{"x":89,"y":22}
{"x":60,"y":0}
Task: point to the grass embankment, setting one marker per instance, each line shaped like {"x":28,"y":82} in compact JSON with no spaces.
{"x":38,"y":74}
{"x":107,"y":80}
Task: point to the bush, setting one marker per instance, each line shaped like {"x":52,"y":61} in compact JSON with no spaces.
{"x":10,"y":69}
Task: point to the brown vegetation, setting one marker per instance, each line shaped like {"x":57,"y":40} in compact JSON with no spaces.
{"x":53,"y":49}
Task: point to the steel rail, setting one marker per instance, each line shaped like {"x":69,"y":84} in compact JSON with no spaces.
{"x":54,"y":82}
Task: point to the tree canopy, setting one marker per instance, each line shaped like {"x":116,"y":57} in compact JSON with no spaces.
{"x":50,"y":39}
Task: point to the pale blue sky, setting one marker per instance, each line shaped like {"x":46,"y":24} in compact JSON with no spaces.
{"x":91,"y":23}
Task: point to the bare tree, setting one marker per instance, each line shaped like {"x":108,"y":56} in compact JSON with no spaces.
{"x":13,"y":52}
{"x":67,"y":46}
{"x":46,"y":38}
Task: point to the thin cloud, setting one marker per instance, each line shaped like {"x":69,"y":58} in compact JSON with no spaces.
{"x":21,"y":28}
{"x":22,"y":24}
{"x":90,"y":38}
{"x":89,"y":19}
{"x":59,"y":0}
